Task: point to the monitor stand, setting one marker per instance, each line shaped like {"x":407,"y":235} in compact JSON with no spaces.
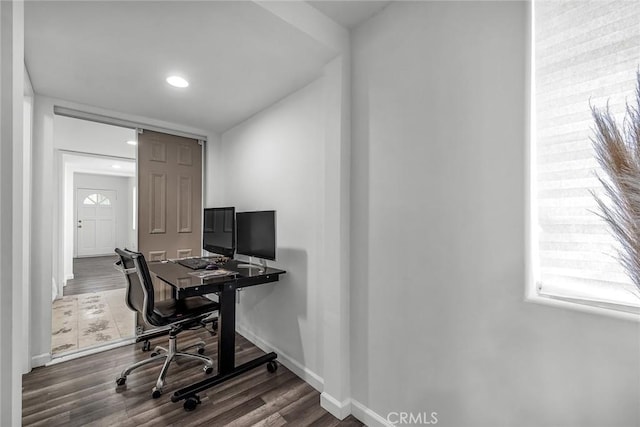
{"x":261,"y":264}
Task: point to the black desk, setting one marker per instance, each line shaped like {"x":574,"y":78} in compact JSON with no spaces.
{"x":186,"y":285}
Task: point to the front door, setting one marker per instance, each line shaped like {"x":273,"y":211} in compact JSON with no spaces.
{"x":95,"y":222}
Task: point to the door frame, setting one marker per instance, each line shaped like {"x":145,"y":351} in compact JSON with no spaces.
{"x":63,"y":254}
{"x":76,"y":247}
{"x":50,"y":271}
{"x":65,"y":213}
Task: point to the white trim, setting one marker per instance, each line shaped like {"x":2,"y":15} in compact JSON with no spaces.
{"x":27,"y":190}
{"x":96,"y":155}
{"x":340,"y":410}
{"x":368,"y":416}
{"x":203,"y":191}
{"x":582,"y":307}
{"x":530,"y":240}
{"x":532,"y":262}
{"x":531,"y":243}
{"x":307,"y":375}
{"x":40,"y":360}
{"x":90,"y":350}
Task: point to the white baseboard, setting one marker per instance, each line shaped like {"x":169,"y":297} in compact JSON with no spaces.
{"x":307,"y":375}
{"x":340,"y":410}
{"x":367,"y":416}
{"x":40,"y":360}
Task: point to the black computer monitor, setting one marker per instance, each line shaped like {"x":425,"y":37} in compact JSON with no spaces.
{"x":256,"y":232}
{"x":218,"y":231}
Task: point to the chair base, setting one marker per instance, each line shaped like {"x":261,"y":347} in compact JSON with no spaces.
{"x":168,"y":355}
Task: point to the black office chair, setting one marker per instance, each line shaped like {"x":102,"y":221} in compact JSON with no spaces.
{"x":178,"y":315}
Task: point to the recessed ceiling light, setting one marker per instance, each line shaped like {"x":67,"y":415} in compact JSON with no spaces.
{"x":116,"y":166}
{"x":132,"y":142}
{"x":177,"y":81}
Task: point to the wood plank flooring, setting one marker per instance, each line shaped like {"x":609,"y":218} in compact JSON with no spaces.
{"x":83,"y":392}
{"x":94,"y":274}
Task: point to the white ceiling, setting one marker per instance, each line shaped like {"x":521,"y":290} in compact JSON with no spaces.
{"x":349,"y":13}
{"x":238,"y":57}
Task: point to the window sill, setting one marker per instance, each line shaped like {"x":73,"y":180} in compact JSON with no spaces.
{"x":584,"y":307}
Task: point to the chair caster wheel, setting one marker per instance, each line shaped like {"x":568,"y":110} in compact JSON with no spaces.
{"x":156,"y":393}
{"x":146,"y":346}
{"x":208,"y":370}
{"x":201,"y":350}
{"x":121,"y":380}
{"x":154,"y":354}
{"x":272,"y":366}
{"x":191,"y":403}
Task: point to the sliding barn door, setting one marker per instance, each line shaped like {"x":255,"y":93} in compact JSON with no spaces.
{"x":169,"y":198}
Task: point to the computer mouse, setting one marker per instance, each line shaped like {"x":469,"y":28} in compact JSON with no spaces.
{"x":211,"y":267}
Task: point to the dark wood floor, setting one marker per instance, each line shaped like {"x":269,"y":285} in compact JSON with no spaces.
{"x":83,"y":392}
{"x":94,"y":274}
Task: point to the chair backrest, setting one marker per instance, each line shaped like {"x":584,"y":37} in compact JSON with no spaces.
{"x":140,"y":295}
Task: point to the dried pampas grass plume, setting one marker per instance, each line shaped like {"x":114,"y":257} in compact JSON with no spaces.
{"x":618,"y":153}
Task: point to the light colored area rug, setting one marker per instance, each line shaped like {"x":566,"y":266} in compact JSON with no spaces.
{"x":89,"y":320}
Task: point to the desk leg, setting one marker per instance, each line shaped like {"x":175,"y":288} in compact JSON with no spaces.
{"x":226,"y":353}
{"x":191,"y":392}
{"x":227,"y":330}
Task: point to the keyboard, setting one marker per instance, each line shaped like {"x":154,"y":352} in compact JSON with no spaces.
{"x":195,"y":263}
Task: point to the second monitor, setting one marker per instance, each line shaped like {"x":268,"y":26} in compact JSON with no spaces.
{"x":256,"y":234}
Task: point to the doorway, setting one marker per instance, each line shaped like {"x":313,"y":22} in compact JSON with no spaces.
{"x":97,"y":214}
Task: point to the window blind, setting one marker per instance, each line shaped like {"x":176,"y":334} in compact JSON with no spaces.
{"x":584,"y":52}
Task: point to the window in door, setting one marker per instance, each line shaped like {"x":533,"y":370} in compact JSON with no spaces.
{"x":97,"y":199}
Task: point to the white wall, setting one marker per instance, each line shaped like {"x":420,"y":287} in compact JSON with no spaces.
{"x":213,"y":185}
{"x":132,"y":216}
{"x":26,"y":211}
{"x":68,"y":225}
{"x":91,"y":137}
{"x":123,"y":204}
{"x":438,"y":236}
{"x":275,"y":161}
{"x":42,"y":227}
{"x":13,"y":223}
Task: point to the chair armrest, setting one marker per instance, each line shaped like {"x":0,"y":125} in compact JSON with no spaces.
{"x":118,"y":266}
